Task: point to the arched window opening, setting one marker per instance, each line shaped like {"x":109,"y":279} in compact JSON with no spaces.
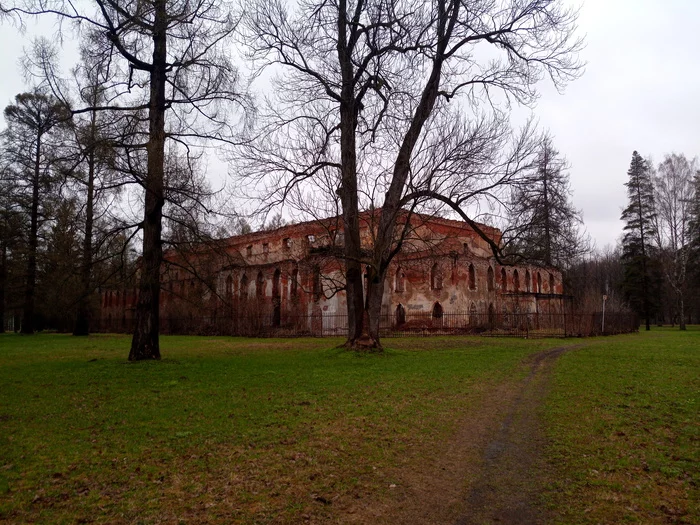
{"x":472,"y":277}
{"x":435,"y":277}
{"x":276,"y":303}
{"x":516,"y":281}
{"x":229,"y":286}
{"x":539,"y":282}
{"x":492,"y":315}
{"x":260,"y":285}
{"x":400,"y":315}
{"x":504,"y":280}
{"x":528,"y":281}
{"x":276,"y":283}
{"x":400,"y":280}
{"x":551,"y":283}
{"x":244,"y":287}
{"x":437,"y":311}
{"x":490,"y":280}
{"x":294,"y":284}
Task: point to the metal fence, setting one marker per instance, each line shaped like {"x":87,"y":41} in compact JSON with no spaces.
{"x":411,"y":324}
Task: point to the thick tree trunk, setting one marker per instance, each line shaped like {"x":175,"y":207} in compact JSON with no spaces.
{"x":375,"y":294}
{"x":145,"y":343}
{"x":82,"y":322}
{"x":28,"y":314}
{"x":348,"y":187}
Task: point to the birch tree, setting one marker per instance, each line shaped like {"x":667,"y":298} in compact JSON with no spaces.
{"x":675,"y":196}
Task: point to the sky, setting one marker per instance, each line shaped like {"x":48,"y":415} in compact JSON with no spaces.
{"x":640,"y":91}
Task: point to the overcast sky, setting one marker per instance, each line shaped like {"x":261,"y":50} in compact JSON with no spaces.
{"x":640,"y":91}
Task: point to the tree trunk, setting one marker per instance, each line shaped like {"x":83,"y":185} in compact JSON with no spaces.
{"x":82,"y":322}
{"x":28,"y":314}
{"x":145,"y":343}
{"x":681,"y":312}
{"x":348,"y":188}
{"x":375,"y":294}
{"x":3,"y":284}
{"x":547,"y":210}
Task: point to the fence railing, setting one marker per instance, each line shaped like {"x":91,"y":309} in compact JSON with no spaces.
{"x":409,"y":324}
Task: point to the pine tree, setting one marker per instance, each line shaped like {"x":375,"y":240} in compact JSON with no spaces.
{"x":31,"y":143}
{"x":639,"y":230}
{"x":545,"y":226}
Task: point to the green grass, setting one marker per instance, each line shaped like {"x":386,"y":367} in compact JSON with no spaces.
{"x":228,"y":430}
{"x":223,"y":429}
{"x":624,"y":418}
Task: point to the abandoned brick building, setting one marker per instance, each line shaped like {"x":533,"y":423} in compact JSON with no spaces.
{"x":291,"y":279}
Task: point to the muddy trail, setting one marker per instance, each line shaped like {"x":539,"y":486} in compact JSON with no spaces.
{"x":491,"y":471}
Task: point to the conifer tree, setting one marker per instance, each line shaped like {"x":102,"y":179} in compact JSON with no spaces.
{"x":30,"y":144}
{"x":639,"y":230}
{"x":545,"y":225}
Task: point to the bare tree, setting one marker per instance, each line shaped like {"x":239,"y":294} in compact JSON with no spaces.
{"x":88,"y":166}
{"x":170,"y":69}
{"x":374,"y":81}
{"x":675,"y":194}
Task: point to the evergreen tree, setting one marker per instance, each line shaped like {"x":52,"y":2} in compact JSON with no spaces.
{"x":545,"y":225}
{"x":31,"y":143}
{"x":639,"y":230}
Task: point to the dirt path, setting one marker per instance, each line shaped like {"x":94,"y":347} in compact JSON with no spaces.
{"x":491,"y":471}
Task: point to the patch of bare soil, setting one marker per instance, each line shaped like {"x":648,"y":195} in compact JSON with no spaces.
{"x":491,"y":471}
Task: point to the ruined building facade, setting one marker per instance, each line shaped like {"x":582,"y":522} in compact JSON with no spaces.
{"x":291,"y":280}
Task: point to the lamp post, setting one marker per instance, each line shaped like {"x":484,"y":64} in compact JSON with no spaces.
{"x":602,"y":324}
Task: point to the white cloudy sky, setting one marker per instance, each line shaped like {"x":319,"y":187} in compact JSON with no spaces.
{"x":641,"y":90}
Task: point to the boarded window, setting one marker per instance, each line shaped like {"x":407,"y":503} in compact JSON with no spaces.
{"x":490,"y":279}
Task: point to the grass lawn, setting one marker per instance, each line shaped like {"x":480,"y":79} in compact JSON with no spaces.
{"x":230,"y":430}
{"x":225,"y":430}
{"x":624,"y":417}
